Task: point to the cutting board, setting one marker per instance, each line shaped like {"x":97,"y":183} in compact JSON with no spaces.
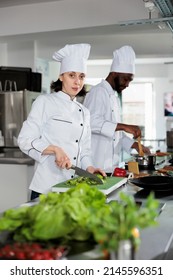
{"x":110,"y":184}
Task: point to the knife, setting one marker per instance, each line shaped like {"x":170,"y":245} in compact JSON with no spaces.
{"x":87,"y":174}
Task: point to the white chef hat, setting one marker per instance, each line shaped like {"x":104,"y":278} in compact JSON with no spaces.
{"x":73,"y":58}
{"x":123,"y":60}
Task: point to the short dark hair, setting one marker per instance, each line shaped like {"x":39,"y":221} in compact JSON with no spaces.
{"x":57,"y":86}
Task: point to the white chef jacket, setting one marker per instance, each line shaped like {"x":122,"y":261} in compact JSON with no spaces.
{"x":107,"y":144}
{"x":55,"y":119}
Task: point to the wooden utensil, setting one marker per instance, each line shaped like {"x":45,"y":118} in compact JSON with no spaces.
{"x":141,"y":153}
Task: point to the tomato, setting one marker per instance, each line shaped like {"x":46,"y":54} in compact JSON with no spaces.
{"x":35,"y":246}
{"x":37,"y":255}
{"x":20,"y":255}
{"x":47,"y":255}
{"x":31,"y":251}
{"x":119,"y":172}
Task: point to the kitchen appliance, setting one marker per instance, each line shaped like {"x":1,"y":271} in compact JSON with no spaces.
{"x":23,"y":77}
{"x":11,"y":116}
{"x":14,"y":109}
{"x":28,"y":99}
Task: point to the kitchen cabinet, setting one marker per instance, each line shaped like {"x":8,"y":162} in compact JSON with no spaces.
{"x":14,"y":182}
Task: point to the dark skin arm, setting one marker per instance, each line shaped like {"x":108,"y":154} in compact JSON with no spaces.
{"x":146,"y":150}
{"x":135,"y":130}
{"x":132,"y":129}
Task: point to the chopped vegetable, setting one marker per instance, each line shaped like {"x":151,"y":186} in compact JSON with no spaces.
{"x":80,"y":179}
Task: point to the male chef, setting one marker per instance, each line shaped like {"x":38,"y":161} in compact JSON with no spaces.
{"x":109,"y":134}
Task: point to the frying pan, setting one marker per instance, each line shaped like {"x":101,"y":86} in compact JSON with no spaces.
{"x":154,"y":183}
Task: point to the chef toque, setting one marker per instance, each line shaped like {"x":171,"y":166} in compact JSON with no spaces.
{"x":73,"y":58}
{"x":123,"y":60}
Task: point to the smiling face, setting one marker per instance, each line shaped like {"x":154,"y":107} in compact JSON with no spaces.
{"x":72,"y":83}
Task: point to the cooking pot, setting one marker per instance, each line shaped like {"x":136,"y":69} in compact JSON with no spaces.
{"x":147,"y":161}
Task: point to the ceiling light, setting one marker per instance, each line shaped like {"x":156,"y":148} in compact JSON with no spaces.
{"x":150,"y":6}
{"x":162,"y":25}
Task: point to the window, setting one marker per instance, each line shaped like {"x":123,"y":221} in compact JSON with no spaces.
{"x":137,"y":104}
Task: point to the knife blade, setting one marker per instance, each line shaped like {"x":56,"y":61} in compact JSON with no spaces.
{"x":84,"y":173}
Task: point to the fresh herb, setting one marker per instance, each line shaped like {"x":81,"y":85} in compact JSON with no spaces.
{"x":123,"y":220}
{"x":79,"y":214}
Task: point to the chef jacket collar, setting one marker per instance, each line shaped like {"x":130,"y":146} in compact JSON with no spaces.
{"x":65,"y":96}
{"x":108,"y":87}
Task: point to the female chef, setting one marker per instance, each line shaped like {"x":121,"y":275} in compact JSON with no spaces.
{"x":57,"y":131}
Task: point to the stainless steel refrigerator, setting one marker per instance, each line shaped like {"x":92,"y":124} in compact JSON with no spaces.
{"x":14,"y":109}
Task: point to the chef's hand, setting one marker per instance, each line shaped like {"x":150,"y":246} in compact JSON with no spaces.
{"x":93,"y":170}
{"x":146,"y":150}
{"x":61,"y":158}
{"x":132,"y":129}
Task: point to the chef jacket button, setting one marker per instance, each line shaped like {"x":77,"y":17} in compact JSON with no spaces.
{"x":72,"y":176}
{"x":81,"y":124}
{"x":74,"y":158}
{"x":76,"y":141}
{"x":80,"y":110}
{"x":113,"y":139}
{"x":112,"y":110}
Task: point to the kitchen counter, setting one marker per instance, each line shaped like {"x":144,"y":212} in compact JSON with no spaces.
{"x":156,"y":241}
{"x":16,"y":172}
{"x":14,"y":156}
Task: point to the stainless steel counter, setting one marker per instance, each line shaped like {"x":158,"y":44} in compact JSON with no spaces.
{"x":156,"y":242}
{"x":14,"y":156}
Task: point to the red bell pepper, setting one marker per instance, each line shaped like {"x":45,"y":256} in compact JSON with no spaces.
{"x":119,"y":172}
